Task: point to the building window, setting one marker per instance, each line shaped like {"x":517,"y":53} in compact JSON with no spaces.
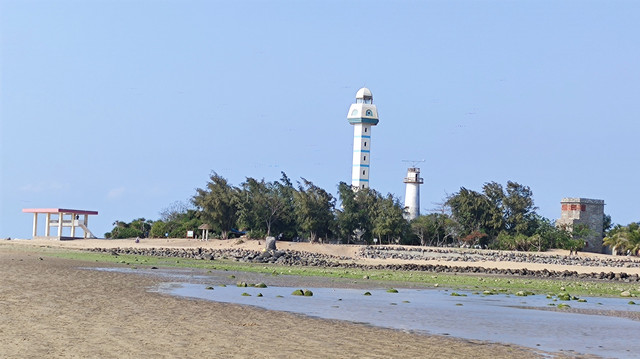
{"x":365,"y":143}
{"x":369,"y":113}
{"x":364,"y":158}
{"x":363,"y":172}
{"x":365,"y":130}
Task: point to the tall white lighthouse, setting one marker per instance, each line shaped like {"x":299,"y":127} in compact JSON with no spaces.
{"x":362,"y":115}
{"x":412,"y":193}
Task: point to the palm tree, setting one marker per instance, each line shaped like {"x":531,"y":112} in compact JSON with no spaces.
{"x":618,"y":240}
{"x":634,"y":238}
{"x":624,"y":239}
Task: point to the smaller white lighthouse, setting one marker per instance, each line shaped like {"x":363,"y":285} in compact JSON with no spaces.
{"x":412,"y":194}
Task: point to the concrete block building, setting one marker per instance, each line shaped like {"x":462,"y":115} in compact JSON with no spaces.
{"x":589,"y":212}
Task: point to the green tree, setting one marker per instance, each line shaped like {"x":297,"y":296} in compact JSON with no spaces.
{"x":218,"y":204}
{"x":389,"y":223}
{"x":519,"y":209}
{"x":355,"y":217}
{"x":428,"y":229}
{"x":266,"y":206}
{"x":252,"y":207}
{"x":474,"y":212}
{"x":286,"y":222}
{"x":314,"y":210}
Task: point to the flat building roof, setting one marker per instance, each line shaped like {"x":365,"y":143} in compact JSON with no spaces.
{"x":58,"y":210}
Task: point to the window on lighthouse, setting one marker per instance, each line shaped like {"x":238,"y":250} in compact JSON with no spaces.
{"x":365,"y":143}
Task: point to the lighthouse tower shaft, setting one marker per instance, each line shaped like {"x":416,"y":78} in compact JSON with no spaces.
{"x":412,"y":193}
{"x":362,"y":115}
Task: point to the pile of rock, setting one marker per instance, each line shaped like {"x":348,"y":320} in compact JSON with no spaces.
{"x":473,"y":255}
{"x":287,"y":257}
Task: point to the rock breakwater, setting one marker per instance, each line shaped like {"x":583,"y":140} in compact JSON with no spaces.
{"x":299,"y":258}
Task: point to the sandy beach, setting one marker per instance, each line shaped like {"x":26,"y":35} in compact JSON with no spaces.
{"x":57,"y":308}
{"x":54,"y":308}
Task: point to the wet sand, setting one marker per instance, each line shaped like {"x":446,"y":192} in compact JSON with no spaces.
{"x":52,"y":308}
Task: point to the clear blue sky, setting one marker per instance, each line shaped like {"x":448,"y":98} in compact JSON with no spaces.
{"x":127,"y":106}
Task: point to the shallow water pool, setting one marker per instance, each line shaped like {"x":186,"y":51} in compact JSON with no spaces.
{"x":497,"y":318}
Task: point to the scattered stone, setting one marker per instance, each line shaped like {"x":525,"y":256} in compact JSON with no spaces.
{"x":626,"y":293}
{"x":367,"y":293}
{"x":298,"y":292}
{"x":392,"y":290}
{"x":209,"y":288}
{"x":308,"y":293}
{"x":260,"y":285}
{"x":245,"y":294}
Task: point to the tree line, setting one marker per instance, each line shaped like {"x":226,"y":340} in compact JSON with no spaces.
{"x":498,"y":217}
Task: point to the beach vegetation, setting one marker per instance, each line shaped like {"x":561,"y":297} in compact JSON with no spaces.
{"x":137,"y":228}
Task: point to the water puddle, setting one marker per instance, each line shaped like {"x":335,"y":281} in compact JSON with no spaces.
{"x":497,"y":318}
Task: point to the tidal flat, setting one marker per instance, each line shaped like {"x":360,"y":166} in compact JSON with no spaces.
{"x":549,"y":322}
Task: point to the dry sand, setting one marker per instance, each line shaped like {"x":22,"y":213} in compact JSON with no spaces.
{"x":53,"y":308}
